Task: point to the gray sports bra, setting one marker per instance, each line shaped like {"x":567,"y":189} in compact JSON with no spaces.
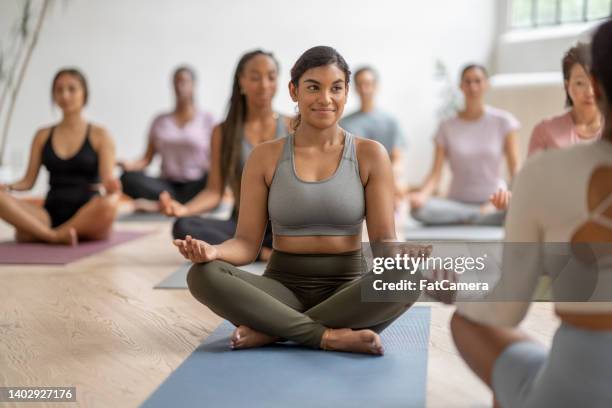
{"x":334,"y":206}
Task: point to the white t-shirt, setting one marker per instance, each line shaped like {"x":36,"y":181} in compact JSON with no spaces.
{"x":475,"y":152}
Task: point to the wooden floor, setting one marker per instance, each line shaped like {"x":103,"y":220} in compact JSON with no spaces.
{"x":98,"y":325}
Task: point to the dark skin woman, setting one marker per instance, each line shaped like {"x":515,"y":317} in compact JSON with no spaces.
{"x":250,"y":121}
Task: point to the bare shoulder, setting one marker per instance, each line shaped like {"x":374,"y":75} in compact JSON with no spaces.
{"x":370,"y":151}
{"x":268,"y":151}
{"x":265,"y":156}
{"x":100,"y":136}
{"x":217,"y":131}
{"x":42,"y":135}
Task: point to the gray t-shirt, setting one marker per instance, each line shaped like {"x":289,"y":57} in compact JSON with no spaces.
{"x":376,"y":125}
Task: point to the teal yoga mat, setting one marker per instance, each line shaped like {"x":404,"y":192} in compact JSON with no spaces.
{"x":293,"y":376}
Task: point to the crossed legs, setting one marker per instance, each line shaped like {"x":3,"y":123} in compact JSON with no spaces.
{"x":32,"y":223}
{"x":264,"y":310}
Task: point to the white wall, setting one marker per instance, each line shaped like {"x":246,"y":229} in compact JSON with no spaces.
{"x":128,"y":49}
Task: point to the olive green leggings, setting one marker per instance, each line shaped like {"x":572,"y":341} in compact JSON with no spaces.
{"x":297,"y":298}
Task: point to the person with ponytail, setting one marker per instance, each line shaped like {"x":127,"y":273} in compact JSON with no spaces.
{"x":561,"y":196}
{"x":315,"y":186}
{"x":250,"y":121}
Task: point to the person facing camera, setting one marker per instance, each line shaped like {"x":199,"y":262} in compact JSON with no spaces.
{"x":83,"y":194}
{"x":182,"y":139}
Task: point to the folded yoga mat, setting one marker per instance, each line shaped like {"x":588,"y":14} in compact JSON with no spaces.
{"x":293,"y":376}
{"x":454,"y":233}
{"x":178,"y":278}
{"x":38,"y":253}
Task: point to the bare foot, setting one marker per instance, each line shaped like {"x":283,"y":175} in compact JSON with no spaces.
{"x":146,"y":206}
{"x":245,"y":337}
{"x":66,"y":237}
{"x":354,"y":341}
{"x":487,"y":208}
{"x":165,"y":202}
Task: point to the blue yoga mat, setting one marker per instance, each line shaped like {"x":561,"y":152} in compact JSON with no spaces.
{"x":294,"y":376}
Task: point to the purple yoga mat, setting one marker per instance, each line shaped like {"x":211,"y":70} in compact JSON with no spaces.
{"x":28,"y":254}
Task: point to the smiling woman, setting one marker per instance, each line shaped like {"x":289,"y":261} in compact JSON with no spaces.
{"x":321,"y":111}
{"x":315,"y":186}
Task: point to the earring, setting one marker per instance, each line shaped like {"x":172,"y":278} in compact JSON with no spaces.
{"x":297,"y":109}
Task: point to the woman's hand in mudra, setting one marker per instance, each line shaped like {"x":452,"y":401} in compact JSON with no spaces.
{"x":195,"y":250}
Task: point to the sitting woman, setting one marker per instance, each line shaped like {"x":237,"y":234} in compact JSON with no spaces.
{"x":250,"y":121}
{"x":475,"y":143}
{"x":182,"y":139}
{"x":316,"y":185}
{"x":564,"y":196}
{"x":582,"y":123}
{"x":76,"y":154}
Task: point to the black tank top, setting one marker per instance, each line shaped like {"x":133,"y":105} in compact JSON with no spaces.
{"x":77,"y":172}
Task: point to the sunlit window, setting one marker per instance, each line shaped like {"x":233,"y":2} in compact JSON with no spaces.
{"x":540,"y":13}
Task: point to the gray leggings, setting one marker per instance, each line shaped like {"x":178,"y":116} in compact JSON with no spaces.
{"x":442,"y":211}
{"x":576,"y":372}
{"x":297,"y":298}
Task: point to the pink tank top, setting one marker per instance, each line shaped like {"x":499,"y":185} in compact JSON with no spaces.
{"x":556,"y":133}
{"x":184,"y":151}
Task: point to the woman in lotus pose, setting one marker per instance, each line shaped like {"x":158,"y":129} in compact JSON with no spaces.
{"x":475,"y":143}
{"x":80,"y":158}
{"x":182,"y":139}
{"x":316,"y":185}
{"x":250,"y":121}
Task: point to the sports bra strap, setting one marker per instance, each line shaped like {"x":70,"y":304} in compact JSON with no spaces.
{"x":350,"y":149}
{"x":288,"y":147}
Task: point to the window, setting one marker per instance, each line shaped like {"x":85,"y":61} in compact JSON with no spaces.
{"x":538,"y":13}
